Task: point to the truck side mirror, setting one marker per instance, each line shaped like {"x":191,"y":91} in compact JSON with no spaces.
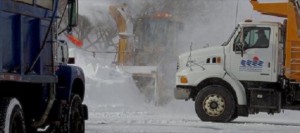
{"x":73,"y":12}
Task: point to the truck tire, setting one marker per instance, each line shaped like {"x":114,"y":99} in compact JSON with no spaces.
{"x":215,"y":103}
{"x":76,"y":117}
{"x":11,"y":116}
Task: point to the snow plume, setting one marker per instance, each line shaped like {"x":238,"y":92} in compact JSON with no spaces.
{"x":207,"y":22}
{"x":105,"y":81}
{"x":98,"y":43}
{"x":106,"y":84}
{"x":210,"y":22}
{"x":88,"y":7}
{"x":92,"y":9}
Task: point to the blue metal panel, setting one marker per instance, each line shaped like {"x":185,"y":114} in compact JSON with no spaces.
{"x":46,"y":57}
{"x":9,"y":40}
{"x":17,"y":46}
{"x":5,"y":35}
{"x":24,"y":9}
{"x":31,"y":42}
{"x":23,"y":28}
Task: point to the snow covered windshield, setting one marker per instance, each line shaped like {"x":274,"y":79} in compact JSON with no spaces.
{"x":154,"y":32}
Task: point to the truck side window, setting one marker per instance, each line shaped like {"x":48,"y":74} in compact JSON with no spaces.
{"x":26,"y":1}
{"x":45,"y":3}
{"x":256,"y":37}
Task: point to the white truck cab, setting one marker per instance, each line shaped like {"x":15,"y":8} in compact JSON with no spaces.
{"x":223,"y":79}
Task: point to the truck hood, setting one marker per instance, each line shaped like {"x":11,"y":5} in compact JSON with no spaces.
{"x":204,"y":51}
{"x":201,"y":56}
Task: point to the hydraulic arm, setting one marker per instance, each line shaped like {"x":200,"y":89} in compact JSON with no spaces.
{"x":119,"y":16}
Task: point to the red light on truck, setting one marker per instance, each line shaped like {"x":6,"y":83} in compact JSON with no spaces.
{"x":219,"y":60}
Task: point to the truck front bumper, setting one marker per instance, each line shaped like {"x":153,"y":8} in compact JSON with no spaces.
{"x":182,"y":92}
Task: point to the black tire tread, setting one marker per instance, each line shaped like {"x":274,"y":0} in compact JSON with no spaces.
{"x":66,"y":126}
{"x":4,"y":105}
{"x":76,"y":100}
{"x":230,"y":104}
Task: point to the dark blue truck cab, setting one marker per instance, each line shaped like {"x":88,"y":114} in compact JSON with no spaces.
{"x":39,"y":91}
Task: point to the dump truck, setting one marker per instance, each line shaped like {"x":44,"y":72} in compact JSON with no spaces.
{"x":256,"y":70}
{"x":39,"y":90}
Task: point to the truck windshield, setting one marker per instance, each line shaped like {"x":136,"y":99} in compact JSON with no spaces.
{"x":235,"y":29}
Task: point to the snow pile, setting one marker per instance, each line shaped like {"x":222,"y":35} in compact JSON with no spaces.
{"x":107,"y":86}
{"x":110,"y":85}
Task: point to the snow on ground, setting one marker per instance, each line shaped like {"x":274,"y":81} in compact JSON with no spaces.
{"x":117,"y":106}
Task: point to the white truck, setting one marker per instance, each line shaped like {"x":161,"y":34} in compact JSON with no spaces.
{"x":256,"y":70}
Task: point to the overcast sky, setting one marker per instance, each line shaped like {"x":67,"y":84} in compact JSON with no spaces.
{"x":213,"y":27}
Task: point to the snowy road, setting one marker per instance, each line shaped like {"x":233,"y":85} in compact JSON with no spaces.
{"x":116,"y":106}
{"x":143,"y":119}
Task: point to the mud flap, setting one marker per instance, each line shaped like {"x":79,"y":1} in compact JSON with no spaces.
{"x":85,"y":112}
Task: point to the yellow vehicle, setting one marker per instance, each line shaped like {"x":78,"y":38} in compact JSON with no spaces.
{"x":144,"y":48}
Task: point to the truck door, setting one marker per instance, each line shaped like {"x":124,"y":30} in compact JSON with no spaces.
{"x":251,"y":56}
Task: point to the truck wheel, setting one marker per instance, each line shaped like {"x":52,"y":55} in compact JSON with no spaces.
{"x":76,"y":117}
{"x":215,"y":103}
{"x":11,"y":116}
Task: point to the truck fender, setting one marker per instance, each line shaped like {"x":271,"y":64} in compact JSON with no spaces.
{"x":206,"y":76}
{"x":70,"y":77}
{"x":236,"y":85}
{"x":238,"y":89}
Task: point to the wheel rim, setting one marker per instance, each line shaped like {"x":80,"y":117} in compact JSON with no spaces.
{"x":214,"y":105}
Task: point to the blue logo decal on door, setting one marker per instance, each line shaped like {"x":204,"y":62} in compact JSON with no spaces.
{"x":253,"y":65}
